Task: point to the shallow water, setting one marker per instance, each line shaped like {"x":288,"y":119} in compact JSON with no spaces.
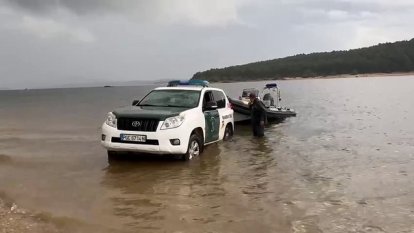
{"x":344,"y":164}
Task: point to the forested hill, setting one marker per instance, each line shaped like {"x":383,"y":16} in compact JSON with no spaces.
{"x":382,"y":58}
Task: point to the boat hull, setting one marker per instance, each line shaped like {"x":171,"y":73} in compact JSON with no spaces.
{"x":272,"y":113}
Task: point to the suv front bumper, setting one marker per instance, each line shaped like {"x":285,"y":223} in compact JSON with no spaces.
{"x":156,"y":142}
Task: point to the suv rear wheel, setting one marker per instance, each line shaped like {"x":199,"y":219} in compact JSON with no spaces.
{"x":228,"y":132}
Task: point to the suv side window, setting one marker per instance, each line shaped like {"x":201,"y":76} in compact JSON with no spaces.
{"x":208,"y":96}
{"x":220,"y":99}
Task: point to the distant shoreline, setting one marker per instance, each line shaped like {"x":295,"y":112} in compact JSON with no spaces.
{"x":237,"y":81}
{"x":371,"y":75}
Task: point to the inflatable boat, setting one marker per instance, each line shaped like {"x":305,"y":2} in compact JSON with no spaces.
{"x":270,"y":96}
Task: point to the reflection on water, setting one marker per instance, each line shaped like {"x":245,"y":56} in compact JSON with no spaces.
{"x":203,"y":195}
{"x":344,"y":164}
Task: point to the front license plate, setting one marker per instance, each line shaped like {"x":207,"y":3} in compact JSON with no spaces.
{"x":133,"y":138}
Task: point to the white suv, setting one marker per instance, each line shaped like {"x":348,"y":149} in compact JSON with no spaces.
{"x":179,"y":119}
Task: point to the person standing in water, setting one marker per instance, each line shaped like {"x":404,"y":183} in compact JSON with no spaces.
{"x":258,"y":115}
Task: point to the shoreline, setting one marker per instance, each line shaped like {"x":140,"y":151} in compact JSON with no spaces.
{"x":16,"y":219}
{"x":371,"y":75}
{"x":339,"y":76}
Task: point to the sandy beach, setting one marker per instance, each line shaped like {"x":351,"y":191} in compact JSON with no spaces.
{"x":16,"y":219}
{"x":371,"y":75}
{"x":339,"y":76}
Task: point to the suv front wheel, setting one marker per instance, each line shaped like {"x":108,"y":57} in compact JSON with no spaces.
{"x":194,"y":148}
{"x":112,"y":155}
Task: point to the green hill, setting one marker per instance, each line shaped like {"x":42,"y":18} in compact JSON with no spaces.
{"x":382,"y":58}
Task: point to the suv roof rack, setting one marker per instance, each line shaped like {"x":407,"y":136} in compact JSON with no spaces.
{"x":191,"y":82}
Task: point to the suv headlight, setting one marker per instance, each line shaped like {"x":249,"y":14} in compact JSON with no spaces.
{"x":173,"y":122}
{"x":111,"y":120}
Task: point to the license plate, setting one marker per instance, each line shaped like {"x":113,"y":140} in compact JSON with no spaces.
{"x":133,"y":138}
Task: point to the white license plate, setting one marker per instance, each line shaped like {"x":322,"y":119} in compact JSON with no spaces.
{"x":133,"y":138}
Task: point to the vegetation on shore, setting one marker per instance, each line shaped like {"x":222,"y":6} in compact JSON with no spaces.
{"x":382,"y":58}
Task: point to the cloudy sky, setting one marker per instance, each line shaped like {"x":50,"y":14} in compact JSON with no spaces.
{"x":46,"y":43}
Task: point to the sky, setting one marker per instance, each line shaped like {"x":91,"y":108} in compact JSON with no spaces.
{"x":53,"y":43}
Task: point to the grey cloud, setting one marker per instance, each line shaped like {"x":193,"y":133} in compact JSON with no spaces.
{"x":32,"y":5}
{"x":149,"y":8}
{"x":80,"y":7}
{"x":196,"y":12}
{"x":39,"y":41}
{"x":357,"y":6}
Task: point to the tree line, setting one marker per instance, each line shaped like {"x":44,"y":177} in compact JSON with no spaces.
{"x":381,"y":58}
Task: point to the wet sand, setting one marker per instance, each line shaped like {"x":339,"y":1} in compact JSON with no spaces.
{"x":15,"y":219}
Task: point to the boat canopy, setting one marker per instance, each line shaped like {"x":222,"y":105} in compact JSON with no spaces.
{"x":271,"y":85}
{"x":271,"y":95}
{"x":247,"y":92}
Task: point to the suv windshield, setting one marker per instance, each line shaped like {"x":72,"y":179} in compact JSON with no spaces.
{"x":172,"y":98}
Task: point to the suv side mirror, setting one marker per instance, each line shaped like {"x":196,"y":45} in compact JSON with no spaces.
{"x":211,"y":105}
{"x":135,"y":102}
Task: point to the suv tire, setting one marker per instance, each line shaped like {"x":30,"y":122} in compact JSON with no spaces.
{"x":228,"y":133}
{"x":113,"y":155}
{"x":194,"y":148}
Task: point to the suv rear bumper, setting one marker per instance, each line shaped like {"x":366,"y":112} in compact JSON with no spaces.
{"x":157,"y":142}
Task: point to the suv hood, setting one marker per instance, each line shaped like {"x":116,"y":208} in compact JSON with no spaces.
{"x":148,"y":112}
